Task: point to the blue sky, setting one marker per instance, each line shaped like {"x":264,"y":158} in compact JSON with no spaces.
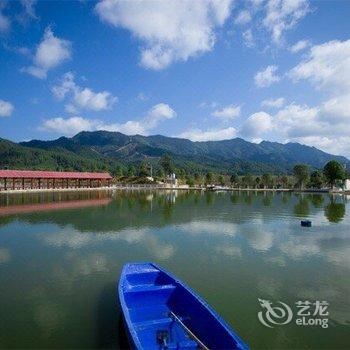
{"x":274,"y":70}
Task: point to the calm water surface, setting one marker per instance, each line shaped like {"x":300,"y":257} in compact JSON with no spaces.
{"x":61,"y":256}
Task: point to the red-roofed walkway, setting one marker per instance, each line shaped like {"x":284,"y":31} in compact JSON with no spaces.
{"x":28,"y":179}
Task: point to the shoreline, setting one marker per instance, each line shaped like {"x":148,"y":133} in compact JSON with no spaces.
{"x":178,"y":188}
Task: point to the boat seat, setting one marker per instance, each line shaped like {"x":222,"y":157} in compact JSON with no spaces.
{"x":149,"y":287}
{"x":152,"y":323}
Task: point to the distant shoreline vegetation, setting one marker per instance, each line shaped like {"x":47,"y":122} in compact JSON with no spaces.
{"x":333,"y":174}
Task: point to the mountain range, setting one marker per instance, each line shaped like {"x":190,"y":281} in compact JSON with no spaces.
{"x":112,"y":151}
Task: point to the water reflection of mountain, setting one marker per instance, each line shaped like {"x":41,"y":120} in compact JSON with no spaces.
{"x":113,"y":211}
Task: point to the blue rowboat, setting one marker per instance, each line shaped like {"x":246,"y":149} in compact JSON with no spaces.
{"x":161,"y":312}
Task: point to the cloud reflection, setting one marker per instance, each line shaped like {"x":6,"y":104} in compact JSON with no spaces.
{"x":75,"y":240}
{"x":5,"y":255}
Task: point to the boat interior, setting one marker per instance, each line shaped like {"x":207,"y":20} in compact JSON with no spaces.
{"x":166,"y":315}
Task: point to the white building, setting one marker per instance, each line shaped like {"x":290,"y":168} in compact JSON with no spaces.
{"x":171,"y":180}
{"x":347,"y":185}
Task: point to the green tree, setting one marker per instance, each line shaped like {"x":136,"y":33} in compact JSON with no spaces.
{"x":221,"y":180}
{"x":234,"y":179}
{"x":131,"y":171}
{"x":266,"y":180}
{"x":197,"y":178}
{"x":143,"y":171}
{"x":257,"y":182}
{"x":208,"y":178}
{"x":301,"y":172}
{"x":316,"y":179}
{"x":167,"y":164}
{"x":285,"y":181}
{"x":333,"y":171}
{"x":248,"y":180}
{"x":118,"y":171}
{"x":180,"y":172}
{"x":160,"y":173}
{"x":190,"y":181}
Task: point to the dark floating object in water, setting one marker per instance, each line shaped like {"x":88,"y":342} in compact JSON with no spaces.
{"x":161,"y":312}
{"x":306,"y":223}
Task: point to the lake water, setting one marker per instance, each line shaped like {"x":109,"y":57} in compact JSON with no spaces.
{"x":61,"y":255}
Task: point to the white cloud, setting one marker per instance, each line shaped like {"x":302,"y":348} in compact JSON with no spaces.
{"x":282,"y":15}
{"x":51,"y":52}
{"x":295,"y":121}
{"x":28,"y":6}
{"x":28,"y":11}
{"x":70,"y":108}
{"x":256,"y":3}
{"x":209,"y":135}
{"x":69,"y":126}
{"x":73,"y":125}
{"x":228,"y":112}
{"x":267,"y":76}
{"x":257,"y":125}
{"x":208,"y":104}
{"x":82,"y":98}
{"x":292,"y":122}
{"x":158,"y":113}
{"x":5,"y":22}
{"x":243,"y":17}
{"x":98,"y":101}
{"x":303,"y":124}
{"x":248,"y":38}
{"x":142,"y":97}
{"x":170,"y":31}
{"x":274,"y":103}
{"x":24,"y":51}
{"x":327,"y":66}
{"x":337,"y":109}
{"x":300,"y":45}
{"x":6,"y":108}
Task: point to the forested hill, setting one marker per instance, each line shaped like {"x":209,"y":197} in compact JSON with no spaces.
{"x":102,"y":150}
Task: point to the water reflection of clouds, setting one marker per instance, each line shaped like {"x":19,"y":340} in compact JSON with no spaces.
{"x":75,"y":265}
{"x":214,"y":227}
{"x":338,"y":309}
{"x":319,"y":243}
{"x":266,"y":237}
{"x":258,"y":235}
{"x":49,"y":316}
{"x":269,"y":286}
{"x":75,"y":240}
{"x":229,"y":250}
{"x":5,"y":255}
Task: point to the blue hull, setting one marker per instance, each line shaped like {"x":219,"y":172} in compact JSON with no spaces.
{"x":161,"y":312}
